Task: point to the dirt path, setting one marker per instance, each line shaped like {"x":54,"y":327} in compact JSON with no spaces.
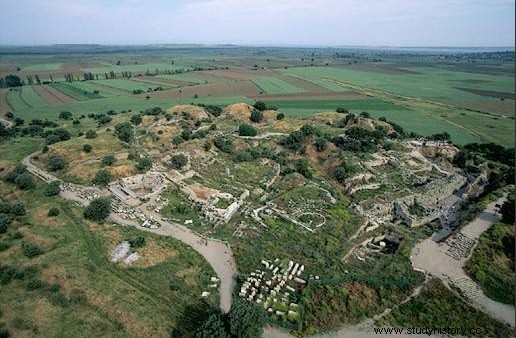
{"x":217,"y":253}
{"x":434,"y":258}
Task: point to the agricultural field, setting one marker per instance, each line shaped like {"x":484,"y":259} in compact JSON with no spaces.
{"x":276,"y":86}
{"x":42,"y":67}
{"x":136,"y":68}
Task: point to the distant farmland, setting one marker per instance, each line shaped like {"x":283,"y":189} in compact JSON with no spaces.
{"x":271,"y":85}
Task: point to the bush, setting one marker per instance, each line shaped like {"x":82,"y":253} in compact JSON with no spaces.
{"x":247,"y":130}
{"x":246,"y":319}
{"x":124,"y":131}
{"x":136,"y":119}
{"x":25,"y":181}
{"x":223,"y":144}
{"x":18,"y":209}
{"x":137,"y":242}
{"x":259,"y":105}
{"x":34,"y":283}
{"x":53,"y":212}
{"x":102,"y":178}
{"x":65,"y":115}
{"x":56,"y":162}
{"x":144,"y":164}
{"x":178,"y":161}
{"x":91,"y":134}
{"x":108,"y":160}
{"x":256,"y":116}
{"x":280,"y":116}
{"x":303,"y":169}
{"x":52,"y":189}
{"x":98,"y":209}
{"x":320,"y":144}
{"x":31,"y":250}
{"x":87,"y":148}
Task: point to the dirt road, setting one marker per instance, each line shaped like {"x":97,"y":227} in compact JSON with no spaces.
{"x":432,"y":257}
{"x":217,"y":253}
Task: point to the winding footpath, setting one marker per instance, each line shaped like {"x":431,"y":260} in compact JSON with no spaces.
{"x":432,"y":258}
{"x":216,"y":252}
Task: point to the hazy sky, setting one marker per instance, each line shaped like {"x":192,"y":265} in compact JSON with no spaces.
{"x":264,"y":22}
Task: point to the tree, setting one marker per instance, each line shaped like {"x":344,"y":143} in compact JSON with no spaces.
{"x":212,"y":327}
{"x":56,"y":162}
{"x":340,"y":174}
{"x":303,"y":169}
{"x":124,"y":131}
{"x":225,"y":145}
{"x":256,"y":116}
{"x":52,"y":189}
{"x":53,"y":212}
{"x":65,"y":115}
{"x":365,"y":114}
{"x":108,"y":160}
{"x":341,"y":110}
{"x":320,"y":144}
{"x":12,"y":81}
{"x":280,"y":116}
{"x":247,"y":130}
{"x":178,"y":161}
{"x":259,"y":105}
{"x":25,"y":181}
{"x":102,"y":178}
{"x":87,"y":148}
{"x":246,"y":319}
{"x":31,"y":250}
{"x":98,"y":209}
{"x":18,"y":209}
{"x":144,"y":164}
{"x":507,"y":210}
{"x":136,"y":119}
{"x":91,"y":134}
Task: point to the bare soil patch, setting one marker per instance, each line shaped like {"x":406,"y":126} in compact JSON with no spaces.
{"x":4,"y":106}
{"x":241,"y":74}
{"x":228,"y":88}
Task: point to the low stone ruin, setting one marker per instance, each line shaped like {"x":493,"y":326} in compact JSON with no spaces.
{"x":459,"y":246}
{"x":276,"y":288}
{"x":132,"y":190}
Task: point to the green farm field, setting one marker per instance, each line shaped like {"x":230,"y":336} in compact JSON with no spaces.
{"x":271,"y":85}
{"x":42,"y":67}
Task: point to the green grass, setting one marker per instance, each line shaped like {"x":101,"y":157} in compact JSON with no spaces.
{"x":185,"y":77}
{"x":136,"y":68}
{"x":75,"y":92}
{"x":42,"y":67}
{"x":29,"y":95}
{"x":492,"y":263}
{"x":15,"y":100}
{"x":437,"y":306}
{"x":24,"y":98}
{"x":429,"y":83}
{"x":119,"y":301}
{"x":119,"y":103}
{"x":124,"y":84}
{"x":271,"y":85}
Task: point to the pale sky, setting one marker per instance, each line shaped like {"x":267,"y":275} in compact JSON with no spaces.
{"x":260,"y":22}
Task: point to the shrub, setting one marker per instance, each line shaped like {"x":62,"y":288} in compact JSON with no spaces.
{"x":178,"y":161}
{"x":34,"y":283}
{"x":280,"y":116}
{"x":52,"y":189}
{"x":56,"y":162}
{"x":102,"y":178}
{"x":137,"y":242}
{"x":136,"y":119}
{"x":108,"y":160}
{"x":53,"y":212}
{"x":31,"y":250}
{"x":247,"y":130}
{"x":124,"y":131}
{"x":223,"y":144}
{"x":18,"y":209}
{"x":144,"y":164}
{"x":98,"y":209}
{"x":87,"y":148}
{"x":25,"y":181}
{"x":65,"y":115}
{"x":259,"y":105}
{"x":320,"y":144}
{"x":256,"y":116}
{"x":91,"y":134}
